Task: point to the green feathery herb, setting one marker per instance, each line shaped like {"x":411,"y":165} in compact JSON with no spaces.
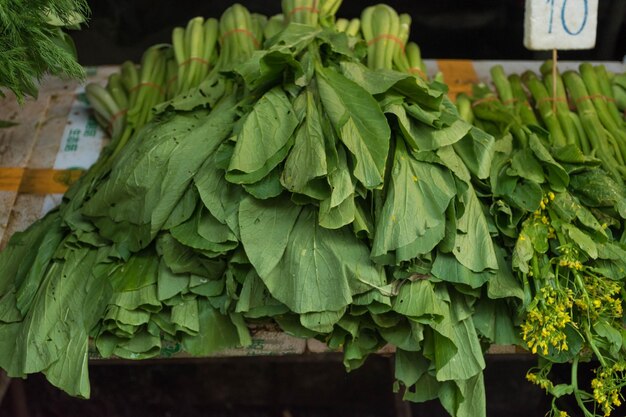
{"x":32,"y":42}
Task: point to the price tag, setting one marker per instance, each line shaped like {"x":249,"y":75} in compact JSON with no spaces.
{"x":560,"y":24}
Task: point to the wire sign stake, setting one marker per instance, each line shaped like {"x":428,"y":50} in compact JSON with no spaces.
{"x":560,"y":25}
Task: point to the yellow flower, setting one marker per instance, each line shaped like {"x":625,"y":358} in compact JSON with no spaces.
{"x":615,"y":399}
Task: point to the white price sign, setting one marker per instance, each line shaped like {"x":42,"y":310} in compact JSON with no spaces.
{"x":560,"y":24}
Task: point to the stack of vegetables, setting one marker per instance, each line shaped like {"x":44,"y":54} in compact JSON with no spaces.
{"x":618,"y":88}
{"x":596,"y":127}
{"x":301,"y":170}
{"x":562,"y":216}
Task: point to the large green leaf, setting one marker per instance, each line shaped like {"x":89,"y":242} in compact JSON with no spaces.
{"x":322,"y":321}
{"x":569,"y":209}
{"x":305,"y":266}
{"x":473,"y":246}
{"x":204,"y":232}
{"x":503,"y":284}
{"x":143,"y":345}
{"x":523,"y":252}
{"x":414,"y":211}
{"x":417,"y":299}
{"x":182,"y":259}
{"x":217,"y":332}
{"x":359,"y":122}
{"x":476,"y":149}
{"x":185,"y":317}
{"x":266,"y":68}
{"x":555,"y":173}
{"x":219,"y":196}
{"x":34,"y":248}
{"x":406,"y":336}
{"x":466,"y":360}
{"x":380,"y":81}
{"x":306,"y":162}
{"x":409,"y":366}
{"x":454,"y":163}
{"x":527,"y":166}
{"x":170,"y":284}
{"x":464,"y":398}
{"x":423,"y":137}
{"x":582,"y":240}
{"x":207,"y":94}
{"x":447,"y":268}
{"x":596,"y":189}
{"x":493,"y":320}
{"x":339,"y":209}
{"x":183,"y":210}
{"x":255,"y":301}
{"x":265,"y":228}
{"x":524,"y":194}
{"x":139,"y":271}
{"x":53,"y":336}
{"x":264,"y":139}
{"x":151,"y":176}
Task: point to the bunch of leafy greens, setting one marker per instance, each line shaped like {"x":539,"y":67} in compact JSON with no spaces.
{"x":306,"y":183}
{"x":562,"y":217}
{"x":32,"y":42}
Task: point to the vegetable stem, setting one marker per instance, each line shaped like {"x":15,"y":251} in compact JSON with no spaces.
{"x":543,"y":103}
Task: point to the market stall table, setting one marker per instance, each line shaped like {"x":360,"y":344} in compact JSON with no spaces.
{"x":56,"y":137}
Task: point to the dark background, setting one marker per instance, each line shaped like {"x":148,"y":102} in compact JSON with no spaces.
{"x":314,"y":385}
{"x":310,"y":385}
{"x":470,"y":29}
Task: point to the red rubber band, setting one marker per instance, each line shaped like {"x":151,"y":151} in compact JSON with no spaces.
{"x":312,"y":9}
{"x":389,"y":37}
{"x":246,"y":32}
{"x":551,"y":99}
{"x":484,"y":100}
{"x":114,"y":118}
{"x":192,"y":59}
{"x":169,"y":82}
{"x":595,"y":96}
{"x":148,"y":84}
{"x":515,"y":100}
{"x":418,"y":71}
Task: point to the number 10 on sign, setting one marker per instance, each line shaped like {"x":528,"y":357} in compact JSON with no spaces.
{"x":560,"y":24}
